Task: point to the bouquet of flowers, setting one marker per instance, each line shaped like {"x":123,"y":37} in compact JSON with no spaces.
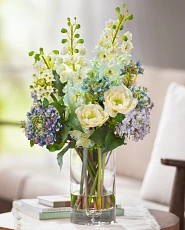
{"x":95,"y":104}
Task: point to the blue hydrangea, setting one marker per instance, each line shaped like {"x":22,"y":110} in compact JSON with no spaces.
{"x":42,"y":124}
{"x":135,"y":126}
{"x":141,"y":94}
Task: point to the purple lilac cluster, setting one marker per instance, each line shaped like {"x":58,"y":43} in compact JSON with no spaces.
{"x":135,"y":126}
{"x":42,"y":124}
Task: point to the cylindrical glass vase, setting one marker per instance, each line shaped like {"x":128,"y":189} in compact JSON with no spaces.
{"x":92,"y":175}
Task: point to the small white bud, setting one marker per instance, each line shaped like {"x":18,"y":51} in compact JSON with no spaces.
{"x":64,"y":50}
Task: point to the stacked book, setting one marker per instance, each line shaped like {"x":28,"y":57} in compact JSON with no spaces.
{"x":50,"y":207}
{"x":45,"y":207}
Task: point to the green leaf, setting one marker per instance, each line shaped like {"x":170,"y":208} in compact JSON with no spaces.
{"x":37,"y":57}
{"x":112,"y":142}
{"x":64,"y":41}
{"x":77,"y":26}
{"x":81,"y":41}
{"x":118,"y":10}
{"x":129,"y":17}
{"x":63,"y":30}
{"x":73,"y":122}
{"x":31,"y":53}
{"x":123,"y":5}
{"x":120,"y":117}
{"x":77,"y":35}
{"x":55,"y":51}
{"x":64,"y":132}
{"x":31,"y":143}
{"x":45,"y":102}
{"x":125,"y":38}
{"x":99,"y":135}
{"x":68,"y":19}
{"x":61,"y":153}
{"x":55,"y":147}
{"x":41,"y":50}
{"x":58,"y":84}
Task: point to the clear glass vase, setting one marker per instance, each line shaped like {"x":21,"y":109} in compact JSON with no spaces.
{"x":92,"y":175}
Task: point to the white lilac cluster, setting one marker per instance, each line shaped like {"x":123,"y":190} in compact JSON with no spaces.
{"x":43,"y":79}
{"x":135,"y":126}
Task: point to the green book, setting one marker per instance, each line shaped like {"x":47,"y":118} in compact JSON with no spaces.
{"x":39,"y":215}
{"x":51,"y":215}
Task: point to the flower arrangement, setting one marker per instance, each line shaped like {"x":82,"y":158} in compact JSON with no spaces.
{"x":93,"y":104}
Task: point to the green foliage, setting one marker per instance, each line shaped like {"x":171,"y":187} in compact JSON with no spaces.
{"x":31,"y":143}
{"x":99,"y":135}
{"x":41,"y":50}
{"x":124,"y":5}
{"x":77,"y":26}
{"x":45,"y":102}
{"x":58,"y":85}
{"x":112,"y":142}
{"x":124,"y":38}
{"x":63,"y":30}
{"x":64,"y":132}
{"x":64,"y":150}
{"x":121,"y":27}
{"x":64,"y":41}
{"x":55,"y":51}
{"x":114,"y":27}
{"x":73,"y":122}
{"x":120,"y":117}
{"x":58,"y":106}
{"x":118,"y":10}
{"x":55,"y":147}
{"x":76,"y":50}
{"x":81,"y":41}
{"x":129,"y":17}
{"x":37,"y":57}
{"x":77,"y":35}
{"x":31,"y":53}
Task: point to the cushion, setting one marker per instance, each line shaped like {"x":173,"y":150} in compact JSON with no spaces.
{"x":169,"y":143}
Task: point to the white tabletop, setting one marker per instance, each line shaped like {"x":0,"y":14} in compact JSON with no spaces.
{"x":137,"y":217}
{"x":6,"y":220}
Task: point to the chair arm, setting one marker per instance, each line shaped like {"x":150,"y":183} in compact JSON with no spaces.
{"x":172,"y":162}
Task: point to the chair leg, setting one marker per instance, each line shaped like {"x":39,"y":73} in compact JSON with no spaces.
{"x":177,"y":199}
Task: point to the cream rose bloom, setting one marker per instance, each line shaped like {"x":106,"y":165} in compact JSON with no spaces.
{"x":91,"y":115}
{"x":119,"y":99}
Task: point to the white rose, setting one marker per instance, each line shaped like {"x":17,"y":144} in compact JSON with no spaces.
{"x":119,"y":99}
{"x":91,"y":115}
{"x":126,"y":46}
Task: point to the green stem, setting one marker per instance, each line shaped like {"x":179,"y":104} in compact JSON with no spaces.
{"x":103,"y":170}
{"x":84,"y":166}
{"x":72,"y":48}
{"x":99,"y":180}
{"x":117,"y":29}
{"x":45,"y":62}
